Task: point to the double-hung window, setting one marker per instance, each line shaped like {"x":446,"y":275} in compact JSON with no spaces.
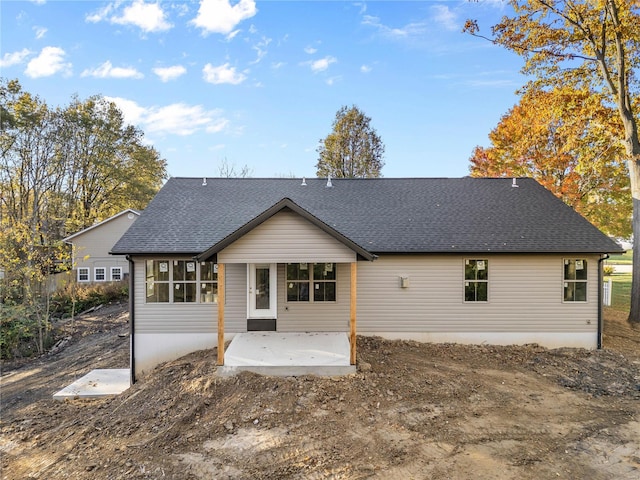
{"x":181,"y":281}
{"x":116,"y":274}
{"x":100,"y":274}
{"x":83,"y":274}
{"x":476,"y":280}
{"x":575,"y":280}
{"x":319,"y":278}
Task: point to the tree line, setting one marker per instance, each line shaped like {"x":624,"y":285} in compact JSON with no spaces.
{"x":63,"y":169}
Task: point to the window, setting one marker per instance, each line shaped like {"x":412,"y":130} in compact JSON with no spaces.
{"x":83,"y":274}
{"x":184,"y":281}
{"x":157,"y":281}
{"x":100,"y":274}
{"x":575,"y":280}
{"x":181,"y":281}
{"x":208,"y":282}
{"x":476,"y":280}
{"x":116,"y":274}
{"x":297,"y":282}
{"x":319,"y":277}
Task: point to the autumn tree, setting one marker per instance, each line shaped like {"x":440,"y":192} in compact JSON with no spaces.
{"x":590,"y":44}
{"x":61,"y":170}
{"x":353,"y":149}
{"x":562,"y":138}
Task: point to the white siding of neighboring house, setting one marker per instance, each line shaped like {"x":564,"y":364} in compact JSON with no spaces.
{"x":91,"y":248}
{"x":286,"y":237}
{"x":525,"y":301}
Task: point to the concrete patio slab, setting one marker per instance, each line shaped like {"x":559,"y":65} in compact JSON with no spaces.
{"x":288,"y":354}
{"x":96,"y":384}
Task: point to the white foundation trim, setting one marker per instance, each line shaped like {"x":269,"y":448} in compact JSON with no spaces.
{"x":152,"y":349}
{"x":545,"y":339}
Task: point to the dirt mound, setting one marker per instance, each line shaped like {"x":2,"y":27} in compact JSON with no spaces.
{"x":413,"y":410}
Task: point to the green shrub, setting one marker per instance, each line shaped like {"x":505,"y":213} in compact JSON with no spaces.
{"x":24,"y":331}
{"x":87,"y":296}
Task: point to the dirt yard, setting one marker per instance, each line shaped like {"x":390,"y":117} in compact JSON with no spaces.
{"x":413,"y":411}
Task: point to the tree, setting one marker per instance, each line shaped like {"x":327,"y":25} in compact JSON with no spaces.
{"x":591,"y":44}
{"x":61,"y":170}
{"x":353,"y":149}
{"x":562,"y":138}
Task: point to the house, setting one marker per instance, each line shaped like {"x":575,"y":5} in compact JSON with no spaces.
{"x":91,"y":246}
{"x":468,"y":260}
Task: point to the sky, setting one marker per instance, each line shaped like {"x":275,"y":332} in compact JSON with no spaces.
{"x":259,"y":83}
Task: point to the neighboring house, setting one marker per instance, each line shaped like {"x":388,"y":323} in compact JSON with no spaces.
{"x":466,"y":260}
{"x":91,"y":246}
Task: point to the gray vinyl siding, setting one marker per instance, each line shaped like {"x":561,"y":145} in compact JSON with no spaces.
{"x":286,"y":237}
{"x":191,"y":317}
{"x":91,"y":248}
{"x":315,"y":316}
{"x":525,"y":295}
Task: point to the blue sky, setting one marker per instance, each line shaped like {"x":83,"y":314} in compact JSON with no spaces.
{"x":259,"y":83}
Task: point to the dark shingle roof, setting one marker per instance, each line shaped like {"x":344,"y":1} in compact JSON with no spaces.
{"x":388,"y":215}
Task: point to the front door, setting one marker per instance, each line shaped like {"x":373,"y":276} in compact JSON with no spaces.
{"x":262,"y":311}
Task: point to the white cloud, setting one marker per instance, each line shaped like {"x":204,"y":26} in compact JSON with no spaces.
{"x":322,"y":64}
{"x":167,"y":74}
{"x":107,"y":70}
{"x":445,"y":17}
{"x":277,"y":65}
{"x":175,"y":119}
{"x":332,"y":80}
{"x":101,"y":14}
{"x":261,"y":49}
{"x":40,"y":32}
{"x":15,"y":58}
{"x":49,"y":62}
{"x":219,"y":16}
{"x":407,"y":31}
{"x":222,"y":74}
{"x":310,"y":50}
{"x":149,"y":17}
{"x":365,"y":68}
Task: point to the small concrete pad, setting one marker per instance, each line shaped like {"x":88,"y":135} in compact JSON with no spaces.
{"x":97,"y":383}
{"x":288,"y":354}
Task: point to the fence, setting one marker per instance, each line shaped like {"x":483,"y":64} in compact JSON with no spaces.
{"x":606,"y":293}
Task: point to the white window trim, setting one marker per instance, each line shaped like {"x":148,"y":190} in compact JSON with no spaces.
{"x":198,"y":282}
{"x":95,"y":274}
{"x":116,"y":279}
{"x":88,"y":272}
{"x":311,"y":283}
{"x":464,"y":281}
{"x":586,"y":282}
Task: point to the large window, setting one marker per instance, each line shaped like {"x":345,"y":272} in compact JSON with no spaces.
{"x":319,"y":278}
{"x":476,"y":280}
{"x":575,"y":280}
{"x":181,"y":281}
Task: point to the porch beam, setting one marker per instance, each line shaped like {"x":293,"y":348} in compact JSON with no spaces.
{"x":221,"y":290}
{"x":352,"y":315}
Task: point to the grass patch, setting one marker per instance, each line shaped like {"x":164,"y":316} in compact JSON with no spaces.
{"x":624,"y":259}
{"x":621,"y":295}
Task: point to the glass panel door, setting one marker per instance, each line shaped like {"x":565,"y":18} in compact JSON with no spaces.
{"x":262,"y":284}
{"x":262,"y":288}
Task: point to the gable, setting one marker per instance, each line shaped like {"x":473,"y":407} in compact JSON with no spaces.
{"x":286,"y":237}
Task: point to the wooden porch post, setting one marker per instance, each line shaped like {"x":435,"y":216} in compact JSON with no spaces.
{"x":221,"y":290}
{"x":352,"y":316}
